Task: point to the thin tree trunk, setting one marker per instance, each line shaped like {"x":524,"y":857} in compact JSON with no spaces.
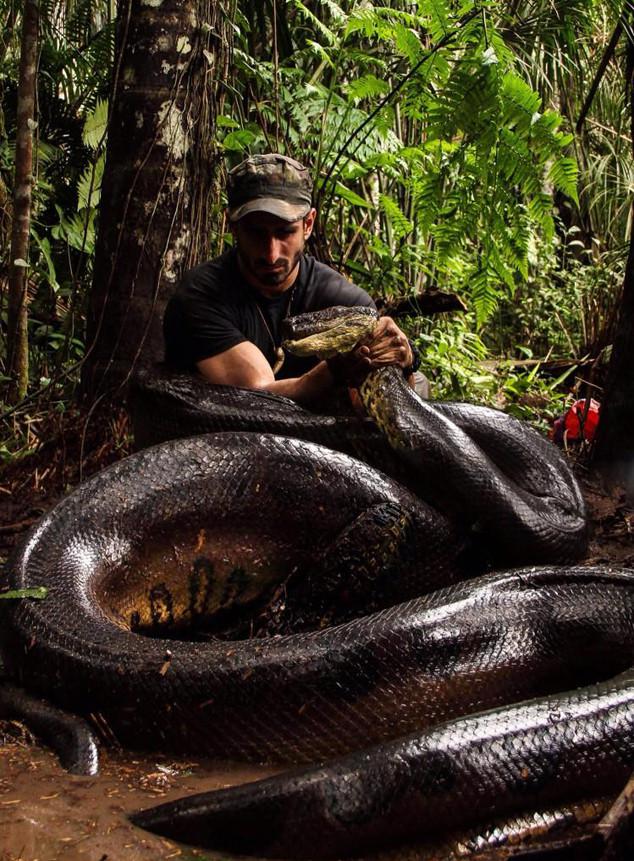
{"x":171,"y":67}
{"x":17,"y":335}
{"x":614,"y":449}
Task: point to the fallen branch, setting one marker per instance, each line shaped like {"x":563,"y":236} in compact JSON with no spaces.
{"x":422,"y":304}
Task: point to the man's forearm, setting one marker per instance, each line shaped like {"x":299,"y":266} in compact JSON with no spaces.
{"x":311,"y":386}
{"x":305,"y":389}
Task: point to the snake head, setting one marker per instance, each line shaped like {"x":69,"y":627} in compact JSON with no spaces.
{"x":328,"y":332}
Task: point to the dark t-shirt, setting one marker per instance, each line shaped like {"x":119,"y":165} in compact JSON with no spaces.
{"x":214,"y":309}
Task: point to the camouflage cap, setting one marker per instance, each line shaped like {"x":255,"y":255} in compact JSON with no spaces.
{"x":269,"y":183}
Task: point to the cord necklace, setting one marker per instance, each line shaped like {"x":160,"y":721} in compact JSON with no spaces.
{"x":279,"y":352}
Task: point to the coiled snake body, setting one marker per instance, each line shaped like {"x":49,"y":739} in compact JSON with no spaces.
{"x":148,"y":560}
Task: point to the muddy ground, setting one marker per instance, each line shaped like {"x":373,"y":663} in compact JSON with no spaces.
{"x":48,"y":815}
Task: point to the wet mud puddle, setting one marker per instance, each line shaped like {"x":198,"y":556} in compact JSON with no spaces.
{"x":47,"y":814}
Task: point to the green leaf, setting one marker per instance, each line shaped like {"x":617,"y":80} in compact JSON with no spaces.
{"x":225,"y":122}
{"x":89,"y":186}
{"x":44,"y":247}
{"x":239,"y":140}
{"x":401,"y":225}
{"x":521,"y":103}
{"x":407,"y":43}
{"x":38,"y":592}
{"x":95,"y":127}
{"x":563,"y":174}
{"x":364,"y":19}
{"x":367,"y":87}
{"x":326,"y":33}
{"x":439,"y":14}
{"x":321,"y":52}
{"x":483,"y":285}
{"x":78,"y":230}
{"x":351,"y":196}
{"x":540,"y":208}
{"x":335,"y":10}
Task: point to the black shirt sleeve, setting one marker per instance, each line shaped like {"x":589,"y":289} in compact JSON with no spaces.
{"x":200,"y":319}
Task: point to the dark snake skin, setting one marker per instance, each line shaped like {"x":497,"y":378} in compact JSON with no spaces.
{"x":466,"y":770}
{"x":488,"y":471}
{"x":119,"y":547}
{"x":143,"y":561}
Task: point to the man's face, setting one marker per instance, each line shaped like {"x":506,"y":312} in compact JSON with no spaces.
{"x":269,"y":249}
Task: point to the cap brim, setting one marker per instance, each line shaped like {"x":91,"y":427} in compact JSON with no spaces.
{"x":272,"y":205}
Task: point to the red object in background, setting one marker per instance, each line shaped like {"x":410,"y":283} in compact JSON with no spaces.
{"x":573,"y":424}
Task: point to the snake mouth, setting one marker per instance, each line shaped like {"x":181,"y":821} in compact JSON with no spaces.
{"x":326,"y":333}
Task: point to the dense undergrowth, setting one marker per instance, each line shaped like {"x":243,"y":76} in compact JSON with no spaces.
{"x":443,"y":145}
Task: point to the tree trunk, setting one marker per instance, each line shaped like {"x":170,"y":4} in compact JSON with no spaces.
{"x":614,"y":449}
{"x":170,"y":69}
{"x":17,"y":332}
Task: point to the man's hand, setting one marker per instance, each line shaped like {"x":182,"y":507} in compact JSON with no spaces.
{"x":389,"y":345}
{"x":350,"y":369}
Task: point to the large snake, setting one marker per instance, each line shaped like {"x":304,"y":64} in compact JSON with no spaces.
{"x":168,"y":543}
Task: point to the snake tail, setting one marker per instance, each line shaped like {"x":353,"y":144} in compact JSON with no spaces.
{"x":68,"y":735}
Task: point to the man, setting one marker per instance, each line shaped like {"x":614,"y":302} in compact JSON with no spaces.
{"x":225,"y":318}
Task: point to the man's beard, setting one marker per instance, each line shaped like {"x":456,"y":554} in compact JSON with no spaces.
{"x":273,"y":278}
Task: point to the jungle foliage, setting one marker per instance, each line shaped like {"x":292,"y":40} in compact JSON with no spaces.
{"x":445,"y":152}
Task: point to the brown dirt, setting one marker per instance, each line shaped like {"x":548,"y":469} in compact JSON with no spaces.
{"x":65,"y":450}
{"x":611,"y":516}
{"x":48,"y":815}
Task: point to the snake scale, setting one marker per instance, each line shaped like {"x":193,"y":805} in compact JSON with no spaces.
{"x":147,"y":562}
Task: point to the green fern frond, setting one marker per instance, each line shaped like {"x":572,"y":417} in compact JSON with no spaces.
{"x":540,"y":208}
{"x":100,"y":49}
{"x":564,"y":174}
{"x":321,"y":52}
{"x":337,"y":13}
{"x":326,"y":33}
{"x":362,"y":60}
{"x":498,"y":263}
{"x":470,"y":102}
{"x":78,"y":229}
{"x":362,"y":19}
{"x":521,"y":103}
{"x":427,"y":193}
{"x":483,"y":284}
{"x":95,"y":126}
{"x":80,"y":20}
{"x":407,"y":43}
{"x":379,"y":22}
{"x":518,"y":243}
{"x":367,"y":87}
{"x":438,"y":16}
{"x":516,"y":163}
{"x":89,"y":186}
{"x":401,"y":225}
